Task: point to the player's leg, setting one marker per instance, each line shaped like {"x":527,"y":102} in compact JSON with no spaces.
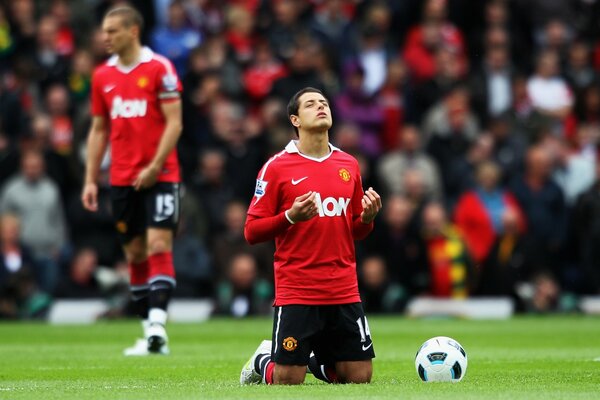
{"x":128,"y":213}
{"x":293,"y":329}
{"x":161,"y":285}
{"x":349,"y":361}
{"x":162,"y":213}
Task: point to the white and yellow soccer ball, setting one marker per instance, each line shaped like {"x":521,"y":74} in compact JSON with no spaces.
{"x":441,"y":359}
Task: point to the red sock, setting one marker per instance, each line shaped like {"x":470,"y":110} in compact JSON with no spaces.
{"x":161,"y":265}
{"x":269,"y":373}
{"x":331,"y":374}
{"x":138,"y":273}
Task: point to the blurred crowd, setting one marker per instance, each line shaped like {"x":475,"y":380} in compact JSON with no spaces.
{"x":480,"y":129}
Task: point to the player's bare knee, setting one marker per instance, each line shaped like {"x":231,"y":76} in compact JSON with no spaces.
{"x":135,"y":251}
{"x":289,"y":375}
{"x":158,"y":245}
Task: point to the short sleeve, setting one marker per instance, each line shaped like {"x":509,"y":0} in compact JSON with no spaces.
{"x":266,"y":194}
{"x":98,"y":105}
{"x":168,"y":84}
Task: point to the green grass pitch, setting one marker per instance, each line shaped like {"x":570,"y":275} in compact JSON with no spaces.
{"x":523,"y":358}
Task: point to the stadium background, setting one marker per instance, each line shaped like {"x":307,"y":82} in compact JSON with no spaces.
{"x":432,"y":100}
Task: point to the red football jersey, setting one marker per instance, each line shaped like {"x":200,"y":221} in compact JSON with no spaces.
{"x":129,"y":99}
{"x":315,"y":259}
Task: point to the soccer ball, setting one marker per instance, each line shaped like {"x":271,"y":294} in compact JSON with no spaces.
{"x":441,"y":359}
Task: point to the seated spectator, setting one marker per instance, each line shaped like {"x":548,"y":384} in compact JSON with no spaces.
{"x":451,"y":273}
{"x":396,"y":240}
{"x":378,"y":293}
{"x":355,"y":105}
{"x":505,"y":266}
{"x":243,"y":293}
{"x":410,"y":155}
{"x":549,"y":93}
{"x":543,"y":204}
{"x":20,"y":296}
{"x":478,"y":213}
{"x":231,"y":242}
{"x":80,"y":281}
{"x":175,"y":41}
{"x":36,"y":200}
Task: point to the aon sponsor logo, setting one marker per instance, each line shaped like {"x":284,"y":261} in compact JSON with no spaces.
{"x":330,"y":206}
{"x":128,"y":108}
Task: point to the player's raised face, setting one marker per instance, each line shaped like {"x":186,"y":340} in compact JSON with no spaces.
{"x":117,"y":35}
{"x":314,"y":113}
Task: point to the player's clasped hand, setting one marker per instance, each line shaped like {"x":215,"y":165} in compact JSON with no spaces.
{"x":304,"y":207}
{"x":371,"y":203}
{"x":146,"y":178}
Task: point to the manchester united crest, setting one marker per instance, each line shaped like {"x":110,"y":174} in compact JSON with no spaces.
{"x":142,"y":82}
{"x":344,"y":174}
{"x":290,"y":343}
{"x":121,"y":226}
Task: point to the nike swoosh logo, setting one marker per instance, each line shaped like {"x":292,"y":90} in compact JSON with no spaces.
{"x":295,"y":182}
{"x":365,"y":348}
{"x":108,"y":88}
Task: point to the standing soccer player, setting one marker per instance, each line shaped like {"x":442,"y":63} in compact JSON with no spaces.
{"x":137,"y":94}
{"x":309,"y":198}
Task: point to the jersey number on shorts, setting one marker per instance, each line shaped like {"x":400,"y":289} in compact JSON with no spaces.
{"x":165,"y":207}
{"x":364,"y":329}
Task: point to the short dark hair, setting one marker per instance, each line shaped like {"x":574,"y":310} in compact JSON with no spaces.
{"x":294,"y":104}
{"x":129,"y":15}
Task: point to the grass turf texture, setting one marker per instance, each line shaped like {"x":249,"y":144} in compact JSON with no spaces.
{"x":523,"y":358}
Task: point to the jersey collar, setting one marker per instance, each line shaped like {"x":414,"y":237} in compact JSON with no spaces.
{"x":292,"y":147}
{"x":146,"y":55}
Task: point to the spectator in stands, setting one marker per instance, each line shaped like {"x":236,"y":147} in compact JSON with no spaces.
{"x":451,"y":272}
{"x":231,"y":242}
{"x":586,"y":232}
{"x":509,"y":146}
{"x":579,"y":71}
{"x":300,"y":65}
{"x":410,"y":155}
{"x":244,"y":293}
{"x":262,"y":71}
{"x":397,"y":240}
{"x":36,"y":200}
{"x":356,"y":105}
{"x":240,"y":33}
{"x":447,"y":77}
{"x":332,"y":27}
{"x":50,"y":65}
{"x":392,"y":99}
{"x":80,"y":281}
{"x":479,"y":212}
{"x":549,"y":93}
{"x":491,"y":85}
{"x":176,"y":39}
{"x":543,"y":203}
{"x":505,"y":266}
{"x":573,"y":171}
{"x":424,"y":39}
{"x":378,"y":293}
{"x":213,"y":190}
{"x":20,"y":296}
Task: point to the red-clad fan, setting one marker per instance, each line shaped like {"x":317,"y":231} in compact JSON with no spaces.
{"x":309,"y":198}
{"x":136,"y":108}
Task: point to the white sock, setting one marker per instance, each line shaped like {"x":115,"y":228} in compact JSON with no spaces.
{"x":157,"y":316}
{"x":145,"y":326}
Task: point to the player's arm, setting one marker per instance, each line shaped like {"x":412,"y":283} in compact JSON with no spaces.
{"x":263,"y":229}
{"x":172,"y":113}
{"x":96,"y":146}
